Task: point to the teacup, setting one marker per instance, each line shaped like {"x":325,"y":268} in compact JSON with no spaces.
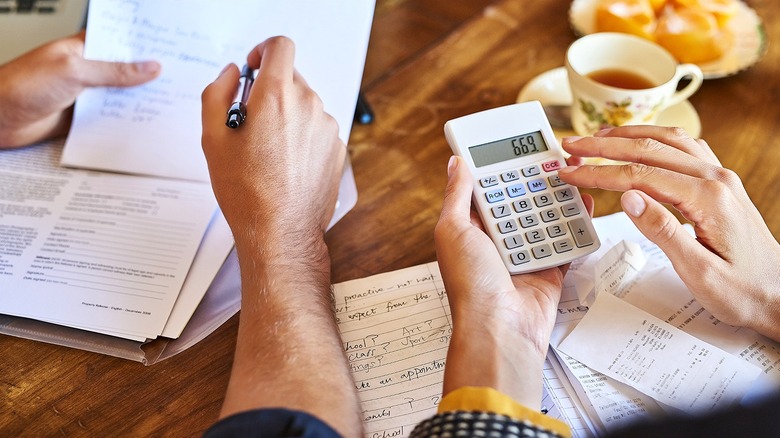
{"x":619,"y":79}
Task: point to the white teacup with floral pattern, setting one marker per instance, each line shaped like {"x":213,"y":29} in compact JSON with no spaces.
{"x":596,"y":106}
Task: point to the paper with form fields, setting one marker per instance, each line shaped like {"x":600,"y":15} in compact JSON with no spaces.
{"x":395,"y":328}
{"x":155,"y":129}
{"x":103,"y":252}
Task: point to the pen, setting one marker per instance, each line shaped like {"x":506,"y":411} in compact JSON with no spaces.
{"x":363,"y":113}
{"x":237,"y":112}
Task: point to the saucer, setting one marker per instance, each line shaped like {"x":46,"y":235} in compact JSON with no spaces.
{"x":552,"y":87}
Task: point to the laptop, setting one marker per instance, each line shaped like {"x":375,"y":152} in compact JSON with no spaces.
{"x":26,"y":24}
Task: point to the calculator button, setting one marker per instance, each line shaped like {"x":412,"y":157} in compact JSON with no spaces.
{"x":531,"y":171}
{"x":563,"y":245}
{"x":582,"y":236}
{"x":516,"y":190}
{"x":537,"y":185}
{"x":541,"y":251}
{"x":543,"y":200}
{"x":550,"y":215}
{"x":529,"y":220}
{"x":534,"y":236}
{"x":570,"y":210}
{"x":564,"y":195}
{"x":556,"y":230}
{"x":513,"y":242}
{"x":501,"y":211}
{"x":488,"y":181}
{"x":511,"y":175}
{"x":520,"y":257}
{"x":522,"y":205}
{"x":507,"y":226}
{"x":495,"y":196}
{"x":551,"y":165}
{"x":555,"y":181}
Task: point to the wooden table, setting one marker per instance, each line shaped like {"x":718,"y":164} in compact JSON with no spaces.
{"x":428,"y":61}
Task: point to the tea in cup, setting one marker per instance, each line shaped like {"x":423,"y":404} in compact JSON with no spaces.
{"x":619,"y":79}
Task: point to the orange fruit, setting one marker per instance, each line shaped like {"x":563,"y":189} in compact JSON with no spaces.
{"x":691,"y":35}
{"x":628,"y":16}
{"x":723,"y":10}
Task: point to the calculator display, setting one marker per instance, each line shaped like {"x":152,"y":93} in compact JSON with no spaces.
{"x":508,"y":149}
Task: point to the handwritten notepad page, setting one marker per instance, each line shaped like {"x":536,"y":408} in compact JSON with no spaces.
{"x":155,"y":129}
{"x":99,"y":251}
{"x":395,"y":329}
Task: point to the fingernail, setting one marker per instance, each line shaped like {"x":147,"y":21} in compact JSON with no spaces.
{"x":603,"y":132}
{"x":633,"y":204}
{"x":567,"y":169}
{"x":224,"y":69}
{"x":571,"y":139}
{"x":148,"y":66}
{"x":451,"y":166}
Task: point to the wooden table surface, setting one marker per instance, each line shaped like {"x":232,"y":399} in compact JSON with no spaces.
{"x":428,"y":61}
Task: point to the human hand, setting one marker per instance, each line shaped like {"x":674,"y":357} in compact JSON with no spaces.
{"x":502,"y":323}
{"x":37,"y":90}
{"x":732,"y":264}
{"x":277,"y":174}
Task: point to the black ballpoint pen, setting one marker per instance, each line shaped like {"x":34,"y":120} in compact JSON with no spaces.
{"x":237,"y":112}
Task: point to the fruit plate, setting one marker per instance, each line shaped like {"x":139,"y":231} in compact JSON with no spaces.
{"x":749,"y":37}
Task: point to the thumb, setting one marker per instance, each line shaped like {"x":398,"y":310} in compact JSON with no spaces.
{"x":660,"y":226}
{"x":118,"y":74}
{"x":457,"y":195}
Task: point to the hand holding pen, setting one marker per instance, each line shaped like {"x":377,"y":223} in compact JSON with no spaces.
{"x":237,"y":112}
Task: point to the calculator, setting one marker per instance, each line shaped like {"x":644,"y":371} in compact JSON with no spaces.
{"x":535,"y":220}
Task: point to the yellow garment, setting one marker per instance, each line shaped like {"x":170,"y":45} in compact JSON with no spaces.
{"x":483,"y":399}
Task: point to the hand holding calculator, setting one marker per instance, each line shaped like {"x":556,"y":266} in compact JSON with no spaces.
{"x":535,"y":220}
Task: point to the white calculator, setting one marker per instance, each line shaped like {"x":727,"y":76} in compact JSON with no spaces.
{"x":535,"y":220}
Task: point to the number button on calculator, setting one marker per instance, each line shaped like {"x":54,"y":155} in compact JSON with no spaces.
{"x":548,"y":221}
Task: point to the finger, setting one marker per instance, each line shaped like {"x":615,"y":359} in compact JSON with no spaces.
{"x":663,"y":229}
{"x":217,"y":98}
{"x":644,"y":150}
{"x":590,"y":203}
{"x":273,"y":58}
{"x":116,"y":74}
{"x":457,"y":194}
{"x":676,"y":137}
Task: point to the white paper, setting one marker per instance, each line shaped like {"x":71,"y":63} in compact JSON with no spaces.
{"x":154,"y":129}
{"x":104,"y":252}
{"x":619,"y":267}
{"x":395,"y":328}
{"x":656,"y":358}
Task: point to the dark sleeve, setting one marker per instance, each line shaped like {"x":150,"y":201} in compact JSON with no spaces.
{"x":270,"y":423}
{"x":478,"y":424}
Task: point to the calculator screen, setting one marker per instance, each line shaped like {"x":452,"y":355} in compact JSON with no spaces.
{"x":508,"y":149}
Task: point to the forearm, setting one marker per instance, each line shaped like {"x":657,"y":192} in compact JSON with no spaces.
{"x":289,"y":352}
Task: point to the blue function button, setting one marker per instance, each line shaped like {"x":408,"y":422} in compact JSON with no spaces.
{"x":537,"y":185}
{"x":516,"y":190}
{"x":495,"y":196}
{"x":488,"y":181}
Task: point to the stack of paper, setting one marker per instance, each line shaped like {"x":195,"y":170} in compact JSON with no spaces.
{"x":130,"y":247}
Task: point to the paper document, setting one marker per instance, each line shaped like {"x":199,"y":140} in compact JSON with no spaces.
{"x":154,"y":129}
{"x":104,"y":252}
{"x":658,"y":359}
{"x":395,"y":328}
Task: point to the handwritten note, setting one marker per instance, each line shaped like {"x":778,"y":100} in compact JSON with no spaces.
{"x":154,"y":129}
{"x":396,"y":329}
